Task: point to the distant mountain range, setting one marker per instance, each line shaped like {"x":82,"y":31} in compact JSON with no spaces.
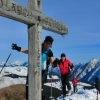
{"x":85,"y":72}
{"x":16,"y":63}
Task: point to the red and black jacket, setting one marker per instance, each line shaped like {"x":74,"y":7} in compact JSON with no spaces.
{"x":65,"y":67}
{"x":75,"y":81}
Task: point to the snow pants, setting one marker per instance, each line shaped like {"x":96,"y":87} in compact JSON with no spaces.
{"x":65,"y":81}
{"x":75,"y":88}
{"x":27,"y":87}
{"x":44,"y":76}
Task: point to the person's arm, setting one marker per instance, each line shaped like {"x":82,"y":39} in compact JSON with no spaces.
{"x":51,"y":60}
{"x":73,"y":69}
{"x":71,"y":65}
{"x":15,"y":47}
{"x":24,"y":51}
{"x":51,"y":57}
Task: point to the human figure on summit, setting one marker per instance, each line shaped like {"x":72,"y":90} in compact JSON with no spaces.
{"x":65,"y":66}
{"x":97,"y":83}
{"x":75,"y":81}
{"x":46,"y":57}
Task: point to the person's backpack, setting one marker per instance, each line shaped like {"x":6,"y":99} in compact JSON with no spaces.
{"x":45,"y":59}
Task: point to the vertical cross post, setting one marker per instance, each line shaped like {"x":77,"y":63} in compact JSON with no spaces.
{"x":34,"y":57}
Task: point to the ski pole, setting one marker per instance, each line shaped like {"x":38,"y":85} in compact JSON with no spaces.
{"x":6,"y":61}
{"x":61,"y":86}
{"x":97,"y":95}
{"x":51,"y":84}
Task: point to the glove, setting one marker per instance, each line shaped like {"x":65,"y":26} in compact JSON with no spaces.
{"x":56,"y":62}
{"x":15,"y":47}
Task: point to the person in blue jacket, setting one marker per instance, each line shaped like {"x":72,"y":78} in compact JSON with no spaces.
{"x":46,"y":57}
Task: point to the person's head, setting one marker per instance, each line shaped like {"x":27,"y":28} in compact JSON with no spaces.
{"x":63,"y":57}
{"x":48,"y":42}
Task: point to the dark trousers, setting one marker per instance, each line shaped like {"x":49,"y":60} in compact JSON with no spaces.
{"x":27,"y":87}
{"x":65,"y":81}
{"x":44,"y":80}
{"x":44,"y":77}
{"x":75,"y":88}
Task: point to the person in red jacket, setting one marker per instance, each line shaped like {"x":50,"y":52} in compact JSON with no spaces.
{"x":65,"y":66}
{"x":74,"y":82}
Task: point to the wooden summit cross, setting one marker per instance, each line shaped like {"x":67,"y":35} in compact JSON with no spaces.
{"x":33,"y":17}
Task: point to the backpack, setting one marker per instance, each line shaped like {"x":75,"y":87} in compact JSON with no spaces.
{"x":45,"y":61}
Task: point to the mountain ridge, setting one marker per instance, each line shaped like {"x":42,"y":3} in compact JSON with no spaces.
{"x":86,"y":72}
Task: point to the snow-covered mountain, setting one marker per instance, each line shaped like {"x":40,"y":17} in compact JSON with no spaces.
{"x":86,"y":72}
{"x":14,"y":64}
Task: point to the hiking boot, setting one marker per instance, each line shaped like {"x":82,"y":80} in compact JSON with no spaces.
{"x":69,"y":92}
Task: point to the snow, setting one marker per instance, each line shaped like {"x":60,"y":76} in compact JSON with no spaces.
{"x":21,"y":71}
{"x":6,"y":81}
{"x":80,"y":95}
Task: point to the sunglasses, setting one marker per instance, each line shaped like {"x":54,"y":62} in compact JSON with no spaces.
{"x":62,"y":56}
{"x":48,"y":43}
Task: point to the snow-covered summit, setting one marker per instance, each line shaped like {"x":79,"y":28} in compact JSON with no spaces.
{"x":17,"y":75}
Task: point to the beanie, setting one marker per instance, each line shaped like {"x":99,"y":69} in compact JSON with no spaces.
{"x":49,"y":38}
{"x":63,"y":55}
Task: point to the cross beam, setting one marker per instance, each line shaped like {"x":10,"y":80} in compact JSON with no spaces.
{"x":13,"y":10}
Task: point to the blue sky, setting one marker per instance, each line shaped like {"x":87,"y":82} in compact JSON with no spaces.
{"x":81,"y":44}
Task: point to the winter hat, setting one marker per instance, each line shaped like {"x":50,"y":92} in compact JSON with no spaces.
{"x":49,"y":38}
{"x":63,"y":55}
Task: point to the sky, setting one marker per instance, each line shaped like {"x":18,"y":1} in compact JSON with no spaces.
{"x":80,"y":45}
